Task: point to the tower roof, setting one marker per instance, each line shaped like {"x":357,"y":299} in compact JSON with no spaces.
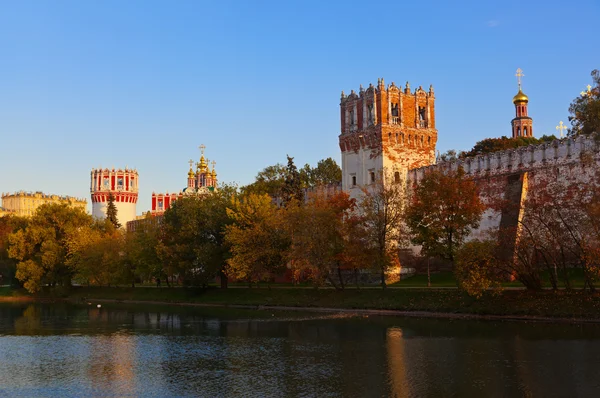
{"x":520,"y":97}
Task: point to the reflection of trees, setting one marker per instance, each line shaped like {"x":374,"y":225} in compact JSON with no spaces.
{"x":220,"y":353}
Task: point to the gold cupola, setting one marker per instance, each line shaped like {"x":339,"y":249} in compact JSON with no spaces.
{"x":520,"y":97}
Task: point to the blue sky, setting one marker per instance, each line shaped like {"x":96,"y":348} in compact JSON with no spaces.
{"x":143,"y":83}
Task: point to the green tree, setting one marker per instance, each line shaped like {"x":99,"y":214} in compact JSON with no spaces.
{"x":8,"y":266}
{"x":443,"y":208}
{"x":41,"y":248}
{"x":383,"y":222}
{"x":142,"y":250}
{"x":326,"y":172}
{"x":292,"y":188}
{"x":585,"y":109}
{"x":503,"y":143}
{"x":269,"y":181}
{"x":111,"y":211}
{"x":192,"y":241}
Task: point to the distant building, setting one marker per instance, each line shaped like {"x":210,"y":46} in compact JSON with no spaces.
{"x":202,"y":181}
{"x":25,"y":204}
{"x":122,"y":184}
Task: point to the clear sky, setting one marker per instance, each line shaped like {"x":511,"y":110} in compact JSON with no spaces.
{"x":142,"y":84}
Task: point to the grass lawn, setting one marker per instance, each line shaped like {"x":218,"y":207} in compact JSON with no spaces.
{"x":562,"y":304}
{"x":446,"y":279}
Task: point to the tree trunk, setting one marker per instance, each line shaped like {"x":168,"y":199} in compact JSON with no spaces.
{"x":339,"y":270}
{"x":224,"y":279}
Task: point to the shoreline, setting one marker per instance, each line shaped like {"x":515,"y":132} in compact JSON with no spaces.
{"x":355,"y":311}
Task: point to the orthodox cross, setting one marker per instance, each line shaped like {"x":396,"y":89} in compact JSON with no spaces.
{"x":519,"y":75}
{"x":191,"y":162}
{"x":560,"y":128}
{"x":588,"y":92}
{"x":202,"y":148}
{"x":213,"y":164}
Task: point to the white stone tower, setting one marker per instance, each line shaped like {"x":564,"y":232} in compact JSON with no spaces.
{"x":122,"y":184}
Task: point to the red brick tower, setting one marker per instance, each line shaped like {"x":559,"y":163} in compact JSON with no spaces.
{"x":385,"y":128}
{"x":522,"y":124}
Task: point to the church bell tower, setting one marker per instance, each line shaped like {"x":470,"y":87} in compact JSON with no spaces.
{"x":522,"y":124}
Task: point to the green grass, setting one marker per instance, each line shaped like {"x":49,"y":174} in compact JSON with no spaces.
{"x":562,"y":304}
{"x":438,"y":279}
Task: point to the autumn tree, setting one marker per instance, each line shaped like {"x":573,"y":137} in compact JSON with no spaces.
{"x":318,"y":244}
{"x":477,"y":268}
{"x":257,"y":237}
{"x":585,"y":109}
{"x":381,"y":208}
{"x":442,"y":210}
{"x":41,"y":248}
{"x":96,"y":255}
{"x":111,"y":211}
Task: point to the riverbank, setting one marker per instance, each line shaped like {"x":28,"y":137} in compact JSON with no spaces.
{"x":514,"y":304}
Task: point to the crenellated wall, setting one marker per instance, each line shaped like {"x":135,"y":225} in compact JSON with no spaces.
{"x":509,"y":175}
{"x":530,"y":158}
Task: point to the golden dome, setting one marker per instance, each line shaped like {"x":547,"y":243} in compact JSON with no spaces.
{"x":191,"y":173}
{"x":202,"y":166}
{"x":520,"y":97}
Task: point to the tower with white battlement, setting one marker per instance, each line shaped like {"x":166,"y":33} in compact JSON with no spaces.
{"x":122,"y":184}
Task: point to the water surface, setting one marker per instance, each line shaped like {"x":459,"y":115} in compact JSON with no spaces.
{"x":67,"y":350}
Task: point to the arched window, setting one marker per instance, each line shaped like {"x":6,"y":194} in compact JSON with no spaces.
{"x":525,"y":131}
{"x":397,"y":177}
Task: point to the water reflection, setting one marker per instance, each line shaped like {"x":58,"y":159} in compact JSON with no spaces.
{"x":66,"y":350}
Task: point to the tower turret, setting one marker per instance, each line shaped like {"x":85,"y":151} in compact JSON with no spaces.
{"x":122,"y":184}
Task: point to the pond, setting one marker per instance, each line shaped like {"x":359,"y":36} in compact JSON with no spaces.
{"x":67,"y":350}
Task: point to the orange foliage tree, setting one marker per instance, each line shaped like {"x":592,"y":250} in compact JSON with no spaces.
{"x":442,"y":210}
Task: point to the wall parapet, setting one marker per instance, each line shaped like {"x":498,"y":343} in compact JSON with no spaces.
{"x":526,"y":158}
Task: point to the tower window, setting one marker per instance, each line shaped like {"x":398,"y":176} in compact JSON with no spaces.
{"x":394,"y":109}
{"x":353,"y":181}
{"x":352,"y":117}
{"x":372,"y":174}
{"x":397,"y":177}
{"x":370,"y":115}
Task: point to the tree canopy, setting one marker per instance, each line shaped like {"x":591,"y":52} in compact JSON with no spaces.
{"x":490,"y":145}
{"x":443,"y":208}
{"x":585,"y":109}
